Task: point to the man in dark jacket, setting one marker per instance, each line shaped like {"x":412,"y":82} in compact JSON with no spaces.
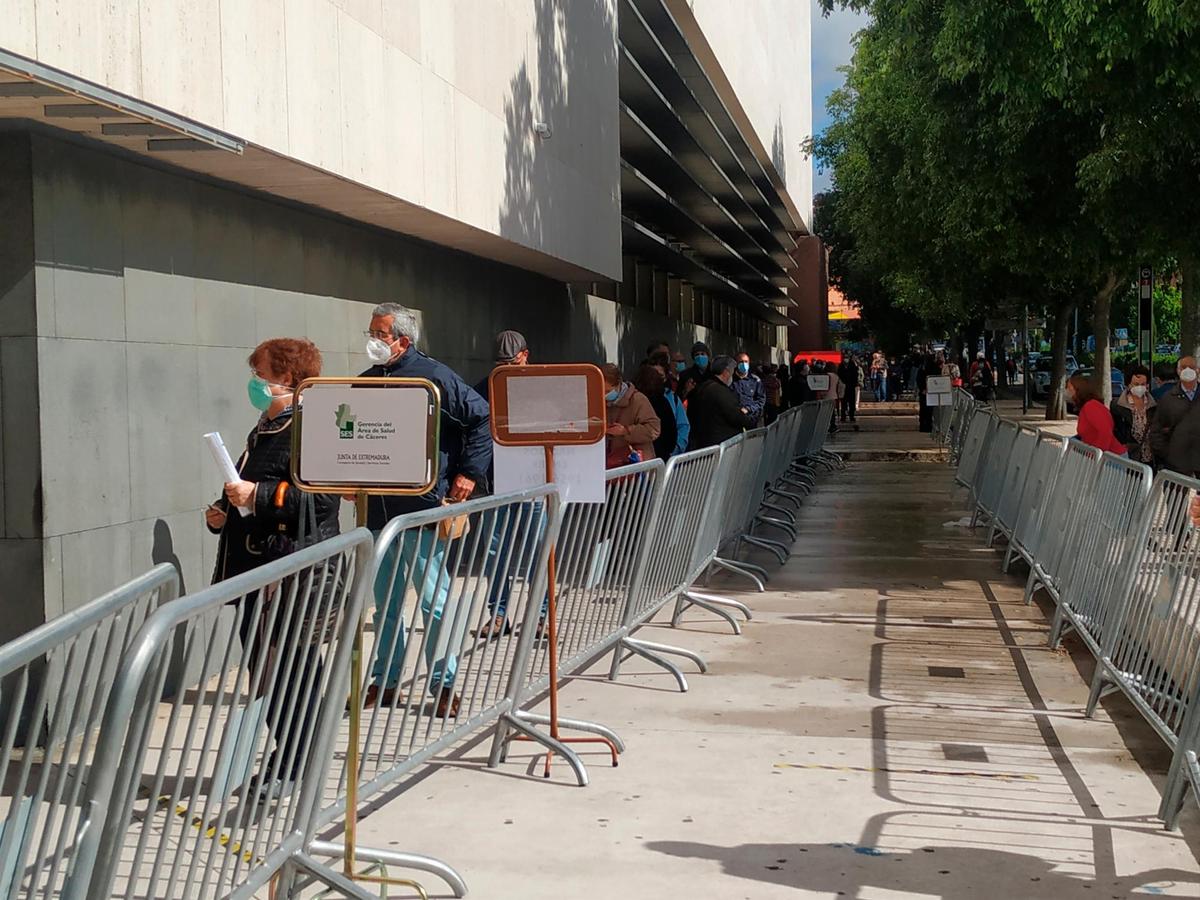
{"x":749,"y":389}
{"x":1175,"y":447}
{"x":713,"y":408}
{"x":697,"y":373}
{"x":465,"y":455}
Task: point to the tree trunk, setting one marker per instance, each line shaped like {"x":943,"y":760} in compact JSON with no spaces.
{"x":1189,"y":317}
{"x":1056,"y":404}
{"x":1101,"y":306}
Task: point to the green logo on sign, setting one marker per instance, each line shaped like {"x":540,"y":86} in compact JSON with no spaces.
{"x":345,"y":421}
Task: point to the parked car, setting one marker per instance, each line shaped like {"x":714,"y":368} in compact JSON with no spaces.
{"x":1041,"y":374}
{"x":1116,"y":377}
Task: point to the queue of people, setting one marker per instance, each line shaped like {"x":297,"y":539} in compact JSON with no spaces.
{"x":666,"y":408}
{"x":1158,"y":426}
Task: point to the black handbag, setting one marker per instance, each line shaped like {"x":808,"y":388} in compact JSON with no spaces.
{"x":321,"y":615}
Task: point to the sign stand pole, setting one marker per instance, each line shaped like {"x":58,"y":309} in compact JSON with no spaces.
{"x":352,"y":756}
{"x":552,"y":637}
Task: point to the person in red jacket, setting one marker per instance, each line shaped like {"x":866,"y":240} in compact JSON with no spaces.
{"x":1095,"y":421}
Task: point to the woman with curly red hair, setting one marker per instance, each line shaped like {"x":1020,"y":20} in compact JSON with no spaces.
{"x":278,"y":514}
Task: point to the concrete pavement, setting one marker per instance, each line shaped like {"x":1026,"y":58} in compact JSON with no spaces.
{"x":890,"y":725}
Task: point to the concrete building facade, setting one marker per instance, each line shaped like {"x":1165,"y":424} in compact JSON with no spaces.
{"x":184,"y":180}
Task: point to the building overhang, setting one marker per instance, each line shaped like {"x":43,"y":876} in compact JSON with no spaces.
{"x":33,"y":92}
{"x":690,"y":180}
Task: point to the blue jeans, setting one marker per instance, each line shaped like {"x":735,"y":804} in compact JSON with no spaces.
{"x":509,"y":524}
{"x":432,"y":581}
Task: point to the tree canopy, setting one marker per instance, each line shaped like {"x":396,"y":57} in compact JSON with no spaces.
{"x":992,"y":153}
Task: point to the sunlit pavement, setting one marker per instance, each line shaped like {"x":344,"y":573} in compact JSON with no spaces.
{"x":891,"y":724}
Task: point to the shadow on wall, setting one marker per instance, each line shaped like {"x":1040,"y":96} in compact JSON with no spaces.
{"x":534,"y":190}
{"x":779,"y":149}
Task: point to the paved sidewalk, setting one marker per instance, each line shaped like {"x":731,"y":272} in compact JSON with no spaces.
{"x":890,"y":725}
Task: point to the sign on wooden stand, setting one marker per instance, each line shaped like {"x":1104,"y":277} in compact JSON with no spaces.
{"x":365,"y":436}
{"x":552,"y":407}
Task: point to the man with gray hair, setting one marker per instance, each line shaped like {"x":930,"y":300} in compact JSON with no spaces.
{"x":465,"y":455}
{"x":714,"y":410}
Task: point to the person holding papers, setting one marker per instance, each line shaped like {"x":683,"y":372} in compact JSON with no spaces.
{"x":281,"y":520}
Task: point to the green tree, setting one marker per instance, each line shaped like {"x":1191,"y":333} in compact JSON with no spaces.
{"x":958,"y":167}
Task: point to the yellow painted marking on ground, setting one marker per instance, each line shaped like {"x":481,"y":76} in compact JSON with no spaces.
{"x":234,"y":847}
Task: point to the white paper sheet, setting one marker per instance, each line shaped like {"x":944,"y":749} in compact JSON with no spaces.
{"x":542,"y":405}
{"x":578,"y":471}
{"x":224,"y":462}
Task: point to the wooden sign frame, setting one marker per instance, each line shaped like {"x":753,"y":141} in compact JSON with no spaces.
{"x":433,"y":435}
{"x":595,"y":425}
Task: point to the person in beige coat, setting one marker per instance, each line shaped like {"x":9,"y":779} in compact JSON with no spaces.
{"x":632,"y":422}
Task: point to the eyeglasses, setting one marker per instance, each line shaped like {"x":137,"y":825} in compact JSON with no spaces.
{"x":381,"y":335}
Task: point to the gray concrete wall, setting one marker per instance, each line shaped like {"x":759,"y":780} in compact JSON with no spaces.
{"x":430,"y":101}
{"x":150,"y":290}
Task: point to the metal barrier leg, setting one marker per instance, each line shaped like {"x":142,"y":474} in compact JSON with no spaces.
{"x":330,"y":877}
{"x":400,"y":860}
{"x":654,"y":653}
{"x":992,"y":529}
{"x":712,"y":599}
{"x":1031,"y":585}
{"x":1174,"y":792}
{"x":1008,"y":555}
{"x":688,"y":599}
{"x":789,"y":515}
{"x":1189,"y":780}
{"x":782,"y":525}
{"x":778,"y":549}
{"x":1102,"y":686}
{"x":757,"y":574}
{"x":514,"y":721}
{"x":577,"y":725}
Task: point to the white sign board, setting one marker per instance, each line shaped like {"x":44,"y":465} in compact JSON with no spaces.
{"x":938,"y":384}
{"x":939,"y":399}
{"x":548,"y":405}
{"x":818,"y":382}
{"x":369,"y":436}
{"x":578,"y":470}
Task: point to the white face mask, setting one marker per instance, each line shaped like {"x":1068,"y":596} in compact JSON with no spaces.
{"x":1188,"y":374}
{"x":378,"y":351}
{"x":1138,"y":390}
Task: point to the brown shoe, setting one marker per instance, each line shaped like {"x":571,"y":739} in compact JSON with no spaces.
{"x":495,"y":628}
{"x":376,"y":697}
{"x":447,"y":705}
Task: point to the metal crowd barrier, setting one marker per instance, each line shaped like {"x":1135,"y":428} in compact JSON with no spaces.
{"x":1102,"y":554}
{"x":196,"y":757}
{"x":1118,"y":553}
{"x":55,"y":684}
{"x":681,"y":545}
{"x":1151,"y":652}
{"x":213,"y":792}
{"x":1061,"y":521}
{"x":1007,"y":508}
{"x":993,"y":469}
{"x":974,"y":449}
{"x":1039,"y":484}
{"x":457,"y":621}
{"x":964,"y":410}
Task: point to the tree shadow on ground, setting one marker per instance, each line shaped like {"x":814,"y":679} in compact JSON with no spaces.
{"x":952,"y":873}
